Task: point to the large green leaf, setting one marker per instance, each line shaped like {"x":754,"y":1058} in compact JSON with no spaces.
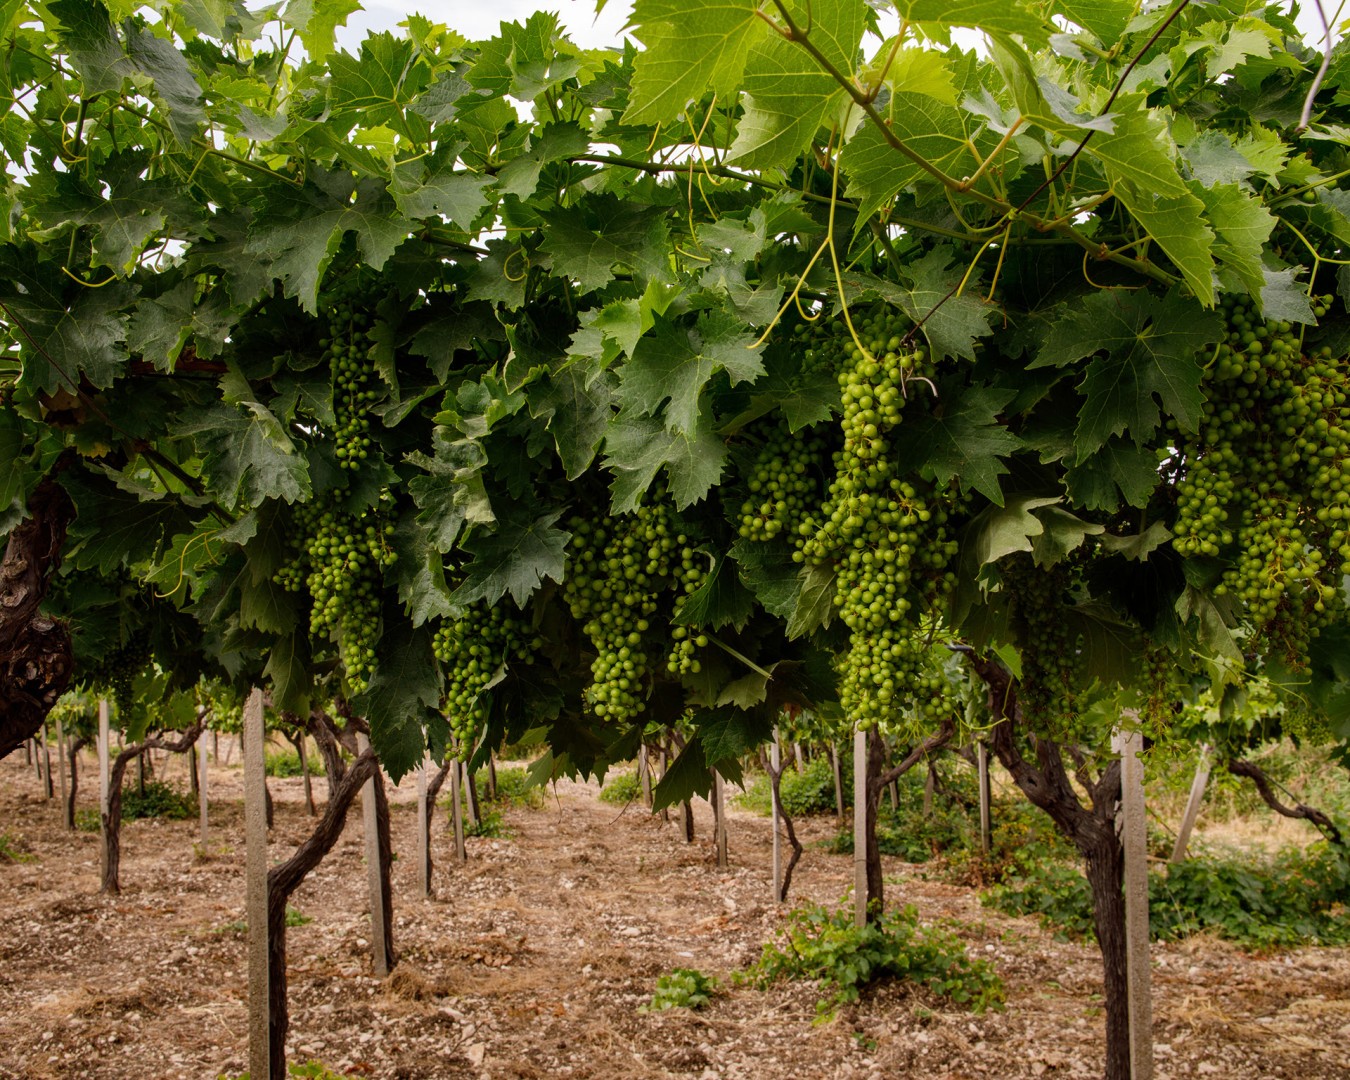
{"x":1151,"y":367}
{"x":960,"y":437}
{"x":403,"y":696}
{"x":517,"y":557}
{"x":691,"y":47}
{"x":247,"y":455}
{"x":789,"y":94}
{"x":637,"y":449}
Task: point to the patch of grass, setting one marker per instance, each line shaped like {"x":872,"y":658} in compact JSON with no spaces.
{"x":14,"y":849}
{"x":286,"y":762}
{"x":802,"y":793}
{"x":310,"y":1070}
{"x":1295,"y":898}
{"x":490,"y":825}
{"x":294,"y":917}
{"x":621,"y":789}
{"x":513,"y":788}
{"x":843,"y":958}
{"x":681,"y":988}
{"x":160,"y":800}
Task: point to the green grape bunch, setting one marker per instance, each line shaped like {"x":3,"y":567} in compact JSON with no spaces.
{"x":473,"y":647}
{"x":346,"y":348}
{"x":339,"y":559}
{"x":1264,"y":485}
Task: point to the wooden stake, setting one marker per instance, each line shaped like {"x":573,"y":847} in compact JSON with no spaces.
{"x":644,"y":775}
{"x":457,"y":812}
{"x":1197,"y":796}
{"x":800,"y":757}
{"x":256,"y":862}
{"x":304,"y":771}
{"x":103,"y":749}
{"x":720,"y":822}
{"x":379,"y":918}
{"x":423,"y":834}
{"x":46,"y":761}
{"x":1134,"y":837}
{"x":471,"y":797}
{"x":986,"y":822}
{"x":860,"y":828}
{"x":837,"y":767}
{"x":203,"y":803}
{"x":61,"y":759}
{"x":775,"y":757}
{"x":929,"y":786}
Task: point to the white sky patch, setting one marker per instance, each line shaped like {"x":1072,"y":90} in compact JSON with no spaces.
{"x":478,"y":20}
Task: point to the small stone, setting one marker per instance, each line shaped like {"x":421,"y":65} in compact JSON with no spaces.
{"x":476,"y":1052}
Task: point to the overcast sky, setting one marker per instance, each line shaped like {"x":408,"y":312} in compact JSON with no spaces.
{"x":479,"y":19}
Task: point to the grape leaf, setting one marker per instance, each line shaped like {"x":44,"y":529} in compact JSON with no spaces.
{"x":380,"y":84}
{"x":317,"y":21}
{"x":577,"y":412}
{"x":720,"y":601}
{"x":524,"y":61}
{"x":636,"y":449}
{"x":517,"y":557}
{"x":674,"y":363}
{"x":180,"y":96}
{"x":520,"y":175}
{"x":1062,"y":533}
{"x":403,"y":696}
{"x":1119,"y":466}
{"x":1282,"y":297}
{"x":115,"y":526}
{"x":420,"y":572}
{"x":1177,"y":224}
{"x":588,"y":241}
{"x":788,"y":93}
{"x":1243,"y":225}
{"x":1150,"y":347}
{"x":247,"y":455}
{"x":95,"y":50}
{"x":299,"y":229}
{"x":960,"y":437}
{"x":691,"y":47}
{"x":457,"y":196}
{"x":1105,"y":18}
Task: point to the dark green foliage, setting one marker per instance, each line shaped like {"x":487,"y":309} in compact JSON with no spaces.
{"x":513,"y":789}
{"x":684,"y":988}
{"x":621,"y":789}
{"x":286,"y":762}
{"x":13,"y":849}
{"x":158,"y":800}
{"x":1296,"y":898}
{"x":843,"y":958}
{"x":808,"y":792}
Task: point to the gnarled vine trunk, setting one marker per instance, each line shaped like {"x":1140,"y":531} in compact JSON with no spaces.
{"x":1091,"y":828}
{"x":36,"y":660}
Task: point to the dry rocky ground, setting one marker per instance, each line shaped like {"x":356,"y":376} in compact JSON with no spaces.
{"x":534,"y":958}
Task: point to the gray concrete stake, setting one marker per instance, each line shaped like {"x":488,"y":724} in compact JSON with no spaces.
{"x":61,"y":759}
{"x":103,"y":753}
{"x":720,"y":809}
{"x":457,"y":812}
{"x":775,"y":758}
{"x":203,"y":803}
{"x":256,"y":866}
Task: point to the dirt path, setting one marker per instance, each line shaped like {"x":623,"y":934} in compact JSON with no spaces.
{"x":536,"y":955}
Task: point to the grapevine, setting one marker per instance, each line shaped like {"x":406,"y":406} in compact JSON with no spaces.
{"x":473,"y":648}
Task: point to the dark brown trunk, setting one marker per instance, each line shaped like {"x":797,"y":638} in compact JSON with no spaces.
{"x":492,"y":778}
{"x":688,"y":822}
{"x":869,"y":787}
{"x":36,"y":660}
{"x":1046,"y":784}
{"x":76,"y":745}
{"x":775,"y":782}
{"x":1298,"y":812}
{"x":385,"y":839}
{"x":112,"y":820}
{"x":284,"y":879}
{"x":434,"y":786}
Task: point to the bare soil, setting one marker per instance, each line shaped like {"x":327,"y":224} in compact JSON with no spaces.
{"x":535,"y":957}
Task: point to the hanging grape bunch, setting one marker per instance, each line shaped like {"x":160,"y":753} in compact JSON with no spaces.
{"x":1275,"y":423}
{"x":346,"y":348}
{"x":471,"y":649}
{"x":116,"y":672}
{"x":1047,"y":689}
{"x":886,"y":539}
{"x":339,"y":558}
{"x":620,"y":569}
{"x":682,"y":659}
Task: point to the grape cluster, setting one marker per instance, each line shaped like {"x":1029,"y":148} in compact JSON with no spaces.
{"x":888,"y":541}
{"x":346,"y":349}
{"x":1047,"y":690}
{"x":472,"y":648}
{"x":784,"y":484}
{"x":682,"y":659}
{"x":1265,"y":484}
{"x":120,"y":666}
{"x":340,"y":559}
{"x":619,"y":568}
